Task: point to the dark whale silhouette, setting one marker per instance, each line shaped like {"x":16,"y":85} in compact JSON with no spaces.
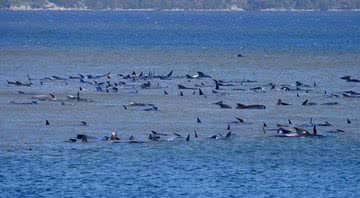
{"x":280,"y":102}
{"x":222,"y":105}
{"x":243,"y":106}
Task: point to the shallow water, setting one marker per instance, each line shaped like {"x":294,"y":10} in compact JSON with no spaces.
{"x":278,"y":47}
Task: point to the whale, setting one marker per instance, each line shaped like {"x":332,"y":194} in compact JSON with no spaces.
{"x":198,"y":75}
{"x":228,"y":135}
{"x":324,"y":124}
{"x":217,"y":85}
{"x":85,"y":82}
{"x":153,"y":108}
{"x":243,"y":106}
{"x":257,"y":89}
{"x":349,"y":79}
{"x":114,"y":136}
{"x":183,"y":87}
{"x":336,"y":131}
{"x":222,"y":105}
{"x":307,"y":103}
{"x":24,"y":103}
{"x":201,"y":93}
{"x":330,"y":103}
{"x":153,"y":137}
{"x":216,"y":137}
{"x":304,"y":133}
{"x":297,"y":132}
{"x":188,"y":137}
{"x":219,"y":93}
{"x":76,"y":77}
{"x":166,"y":76}
{"x":71,"y":97}
{"x":352,"y":93}
{"x":331,"y":95}
{"x":159,"y":134}
{"x":281,"y":103}
{"x":18,"y":83}
{"x":137,"y":104}
{"x":58,"y":78}
{"x":350,"y":96}
{"x":49,"y":97}
{"x":195,"y":134}
{"x":348,"y":121}
{"x":98,"y":76}
{"x":300,"y":84}
{"x":146,"y":85}
{"x":239,"y":121}
{"x":177,"y":135}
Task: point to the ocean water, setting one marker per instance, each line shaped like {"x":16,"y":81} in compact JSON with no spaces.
{"x":277,"y":47}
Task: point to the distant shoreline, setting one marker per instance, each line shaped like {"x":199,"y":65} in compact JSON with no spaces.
{"x":179,"y":10}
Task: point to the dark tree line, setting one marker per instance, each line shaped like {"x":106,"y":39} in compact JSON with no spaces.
{"x":187,"y":4}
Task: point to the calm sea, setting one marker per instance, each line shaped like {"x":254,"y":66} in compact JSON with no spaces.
{"x":278,"y":47}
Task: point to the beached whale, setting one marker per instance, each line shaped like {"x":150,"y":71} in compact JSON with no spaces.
{"x":18,"y":83}
{"x":243,"y":106}
{"x":58,"y":78}
{"x":222,"y":105}
{"x":349,"y":79}
{"x":183,"y":87}
{"x":89,"y":76}
{"x":350,"y":95}
{"x":297,"y":132}
{"x":24,"y":103}
{"x":281,"y":103}
{"x":198,"y":75}
{"x":137,"y":104}
{"x":330,"y":103}
{"x":50,"y":97}
{"x":307,"y":103}
{"x":219,"y":93}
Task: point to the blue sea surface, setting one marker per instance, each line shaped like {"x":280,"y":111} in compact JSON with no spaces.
{"x":277,"y":47}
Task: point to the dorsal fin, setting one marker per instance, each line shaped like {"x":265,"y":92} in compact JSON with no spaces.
{"x":201,"y":92}
{"x":228,"y":135}
{"x":178,"y":135}
{"x":305,"y":102}
{"x":240,"y":120}
{"x":170,"y":74}
{"x":240,"y":105}
{"x":348,"y":121}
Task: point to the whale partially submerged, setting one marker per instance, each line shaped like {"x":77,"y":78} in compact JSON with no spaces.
{"x":222,"y":105}
{"x":281,"y":103}
{"x":255,"y":106}
{"x":49,"y":97}
{"x":349,"y":79}
{"x":296,"y":132}
{"x":198,"y":75}
{"x":18,"y":83}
